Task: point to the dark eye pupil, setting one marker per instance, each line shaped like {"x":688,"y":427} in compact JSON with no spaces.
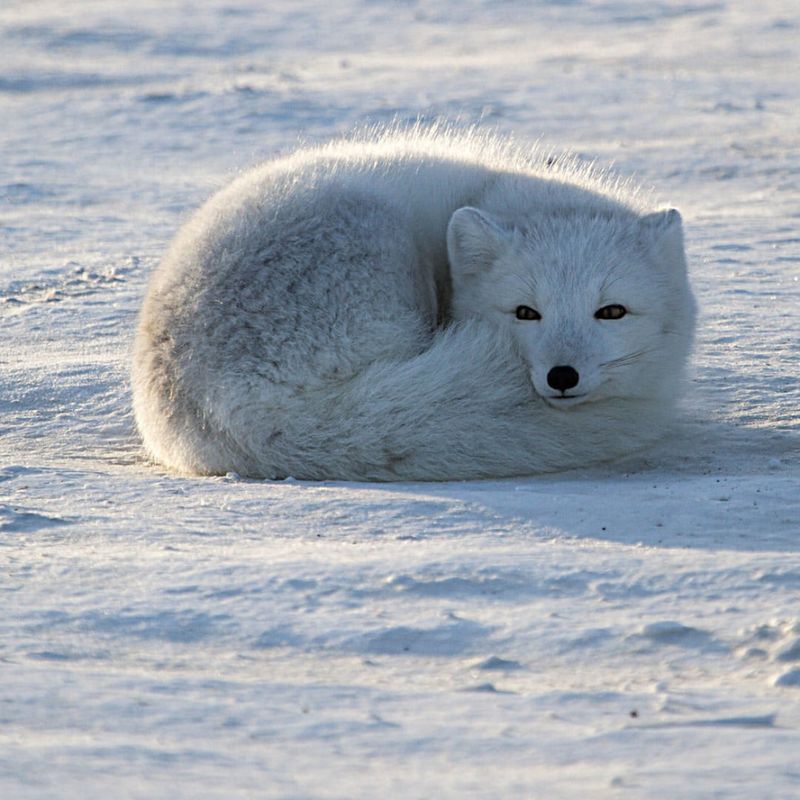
{"x":611,"y":312}
{"x":526,"y":312}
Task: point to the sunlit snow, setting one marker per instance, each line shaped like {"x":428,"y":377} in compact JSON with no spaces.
{"x":625,"y":631}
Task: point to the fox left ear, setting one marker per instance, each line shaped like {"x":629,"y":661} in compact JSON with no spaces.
{"x":663,"y":230}
{"x":474,"y":240}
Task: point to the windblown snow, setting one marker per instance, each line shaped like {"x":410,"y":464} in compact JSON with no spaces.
{"x":625,"y":631}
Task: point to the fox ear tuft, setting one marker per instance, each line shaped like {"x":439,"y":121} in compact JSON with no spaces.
{"x":663,"y":232}
{"x":662,"y":221}
{"x":474,"y":240}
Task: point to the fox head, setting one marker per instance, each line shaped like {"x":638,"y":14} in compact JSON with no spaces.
{"x":597,"y":301}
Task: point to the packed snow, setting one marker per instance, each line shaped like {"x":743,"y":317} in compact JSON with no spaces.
{"x":630,"y":630}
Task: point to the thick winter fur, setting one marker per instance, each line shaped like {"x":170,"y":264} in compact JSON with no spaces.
{"x":350,"y":311}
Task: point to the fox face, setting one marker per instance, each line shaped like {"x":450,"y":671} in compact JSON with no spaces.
{"x":593,"y":300}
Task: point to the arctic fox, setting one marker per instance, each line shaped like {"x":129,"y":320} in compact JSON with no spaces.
{"x":413,"y":305}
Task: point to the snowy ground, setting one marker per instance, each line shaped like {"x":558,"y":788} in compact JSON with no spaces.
{"x":630,"y":631}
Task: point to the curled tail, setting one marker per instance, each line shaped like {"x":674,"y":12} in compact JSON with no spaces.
{"x":462,"y":409}
{"x":451,"y":412}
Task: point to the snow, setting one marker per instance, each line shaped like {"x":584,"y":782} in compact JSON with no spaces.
{"x":627,"y":630}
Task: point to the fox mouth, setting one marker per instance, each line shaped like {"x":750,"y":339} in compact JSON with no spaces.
{"x":565,"y":400}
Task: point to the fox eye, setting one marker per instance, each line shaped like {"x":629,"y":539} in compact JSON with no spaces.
{"x":611,"y":312}
{"x":526,"y":312}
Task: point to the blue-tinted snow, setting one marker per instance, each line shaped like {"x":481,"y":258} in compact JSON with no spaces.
{"x":626,"y":629}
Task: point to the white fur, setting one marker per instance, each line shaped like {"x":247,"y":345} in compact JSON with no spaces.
{"x":349,"y":312}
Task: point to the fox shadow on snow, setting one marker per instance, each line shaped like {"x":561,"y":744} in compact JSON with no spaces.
{"x":709,"y":486}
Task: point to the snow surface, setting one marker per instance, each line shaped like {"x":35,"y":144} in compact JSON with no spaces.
{"x":625,"y":631}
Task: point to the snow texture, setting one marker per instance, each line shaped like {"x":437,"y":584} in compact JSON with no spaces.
{"x":625,"y":631}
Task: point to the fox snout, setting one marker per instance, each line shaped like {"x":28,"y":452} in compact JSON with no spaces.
{"x":563,"y":378}
{"x":561,"y":386}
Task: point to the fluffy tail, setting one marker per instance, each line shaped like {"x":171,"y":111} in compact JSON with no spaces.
{"x":463,"y":409}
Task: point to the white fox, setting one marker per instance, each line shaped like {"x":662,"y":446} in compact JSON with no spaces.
{"x":413,"y":305}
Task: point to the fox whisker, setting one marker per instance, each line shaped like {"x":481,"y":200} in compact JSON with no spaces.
{"x":626,"y":359}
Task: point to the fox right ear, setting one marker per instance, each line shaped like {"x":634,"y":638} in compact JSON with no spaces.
{"x":663,"y":230}
{"x":474,"y":240}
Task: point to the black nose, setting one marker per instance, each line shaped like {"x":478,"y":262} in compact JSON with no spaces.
{"x":562,"y":378}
